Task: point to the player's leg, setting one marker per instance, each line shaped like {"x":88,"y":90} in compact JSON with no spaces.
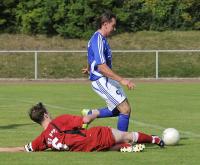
{"x":119,"y":146}
{"x":124,"y":142}
{"x":124,"y":115}
{"x":115,"y":98}
{"x":101,"y":112}
{"x":104,"y":89}
{"x":136,"y":137}
{"x":122,"y":137}
{"x":123,"y":105}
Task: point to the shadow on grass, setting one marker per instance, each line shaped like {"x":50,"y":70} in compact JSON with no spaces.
{"x":184,"y":138}
{"x":13,"y":126}
{"x":153,"y":146}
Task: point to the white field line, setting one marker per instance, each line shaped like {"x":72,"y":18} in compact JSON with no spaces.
{"x":185,"y":133}
{"x":188,"y":133}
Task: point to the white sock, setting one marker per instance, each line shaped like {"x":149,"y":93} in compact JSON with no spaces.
{"x":135,"y":136}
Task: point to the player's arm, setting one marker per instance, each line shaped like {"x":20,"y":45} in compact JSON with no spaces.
{"x":89,"y":118}
{"x":82,"y":122}
{"x":12,"y":149}
{"x":73,"y":121}
{"x":106,"y":71}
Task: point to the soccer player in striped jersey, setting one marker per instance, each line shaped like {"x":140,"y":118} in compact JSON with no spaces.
{"x":105,"y":82}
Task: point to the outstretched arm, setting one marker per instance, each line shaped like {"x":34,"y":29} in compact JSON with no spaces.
{"x":12,"y":149}
{"x":106,"y":71}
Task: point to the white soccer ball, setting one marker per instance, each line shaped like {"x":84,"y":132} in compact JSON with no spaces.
{"x":171,"y":136}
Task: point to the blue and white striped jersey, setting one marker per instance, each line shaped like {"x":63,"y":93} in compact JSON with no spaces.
{"x":99,"y":52}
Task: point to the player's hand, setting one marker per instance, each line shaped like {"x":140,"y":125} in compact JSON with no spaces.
{"x":130,"y":85}
{"x":85,"y":71}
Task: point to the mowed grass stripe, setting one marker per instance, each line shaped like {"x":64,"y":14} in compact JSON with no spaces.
{"x":155,"y":106}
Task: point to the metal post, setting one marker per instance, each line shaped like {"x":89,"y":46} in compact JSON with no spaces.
{"x":36,"y":66}
{"x":157,"y":76}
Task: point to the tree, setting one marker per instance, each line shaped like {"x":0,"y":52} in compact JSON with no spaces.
{"x":7,"y":15}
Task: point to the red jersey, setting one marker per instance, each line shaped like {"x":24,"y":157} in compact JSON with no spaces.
{"x":93,"y":139}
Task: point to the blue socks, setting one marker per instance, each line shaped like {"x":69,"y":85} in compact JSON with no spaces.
{"x":105,"y":112}
{"x":123,"y":121}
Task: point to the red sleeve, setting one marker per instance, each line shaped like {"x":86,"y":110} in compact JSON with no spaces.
{"x":38,"y":144}
{"x":69,"y":121}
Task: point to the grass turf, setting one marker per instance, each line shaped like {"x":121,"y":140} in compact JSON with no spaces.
{"x":156,"y":106}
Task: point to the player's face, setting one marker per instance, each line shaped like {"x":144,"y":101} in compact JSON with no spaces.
{"x":110,"y":26}
{"x":47,"y":116}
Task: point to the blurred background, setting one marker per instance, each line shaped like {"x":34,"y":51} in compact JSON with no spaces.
{"x":34,"y":25}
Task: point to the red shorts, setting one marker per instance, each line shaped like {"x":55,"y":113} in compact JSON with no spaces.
{"x":97,"y":139}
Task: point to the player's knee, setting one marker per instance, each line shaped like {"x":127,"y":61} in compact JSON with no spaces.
{"x":115,"y":112}
{"x":126,"y":136}
{"x":125,"y":109}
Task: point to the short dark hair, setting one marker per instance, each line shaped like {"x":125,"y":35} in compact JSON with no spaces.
{"x":37,"y":112}
{"x":106,"y":17}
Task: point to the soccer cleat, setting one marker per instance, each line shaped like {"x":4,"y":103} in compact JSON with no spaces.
{"x":84,"y":112}
{"x":135,"y":148}
{"x":157,"y":140}
{"x":162,"y":143}
{"x":84,"y":126}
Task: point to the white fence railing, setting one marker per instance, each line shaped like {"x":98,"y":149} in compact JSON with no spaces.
{"x":84,"y":51}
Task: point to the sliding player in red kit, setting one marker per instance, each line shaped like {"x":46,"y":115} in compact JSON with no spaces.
{"x":66,"y":133}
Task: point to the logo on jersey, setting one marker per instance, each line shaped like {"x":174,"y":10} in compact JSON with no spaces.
{"x":59,"y":146}
{"x":118,"y":92}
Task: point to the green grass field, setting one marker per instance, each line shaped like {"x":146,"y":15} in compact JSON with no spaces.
{"x":156,"y":106}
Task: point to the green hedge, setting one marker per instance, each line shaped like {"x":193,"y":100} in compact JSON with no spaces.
{"x":77,"y":19}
